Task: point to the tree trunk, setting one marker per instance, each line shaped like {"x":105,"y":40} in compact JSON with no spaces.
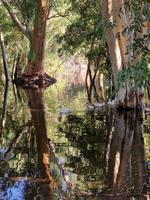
{"x":101,"y":84}
{"x":121,"y":50}
{"x":4,"y":56}
{"x":34,"y":75}
{"x":113,"y":45}
{"x":36,"y":56}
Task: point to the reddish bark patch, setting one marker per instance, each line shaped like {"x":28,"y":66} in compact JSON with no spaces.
{"x":34,"y":81}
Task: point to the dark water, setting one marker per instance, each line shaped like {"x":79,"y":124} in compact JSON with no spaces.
{"x":98,"y":154}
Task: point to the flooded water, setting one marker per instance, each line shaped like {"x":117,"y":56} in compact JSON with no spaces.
{"x":53,"y":136}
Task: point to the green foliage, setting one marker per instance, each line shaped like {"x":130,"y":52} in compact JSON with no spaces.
{"x":86,"y":30}
{"x":26,"y":10}
{"x":7,"y":26}
{"x":138,"y":75}
{"x":139,"y":14}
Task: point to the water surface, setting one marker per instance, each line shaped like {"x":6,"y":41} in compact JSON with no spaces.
{"x":93,"y":154}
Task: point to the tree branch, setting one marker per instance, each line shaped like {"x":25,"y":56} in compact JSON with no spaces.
{"x":59,"y":15}
{"x":14,"y":17}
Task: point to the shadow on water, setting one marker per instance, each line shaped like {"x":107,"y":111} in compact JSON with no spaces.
{"x":93,"y":155}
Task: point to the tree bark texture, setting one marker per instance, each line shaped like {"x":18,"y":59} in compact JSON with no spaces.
{"x":120,"y":42}
{"x":37,"y":43}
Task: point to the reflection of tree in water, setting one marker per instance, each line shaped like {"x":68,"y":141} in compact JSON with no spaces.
{"x":107,"y":152}
{"x":89,"y":134}
{"x":30,"y":172}
{"x":115,"y":150}
{"x":126,"y":164}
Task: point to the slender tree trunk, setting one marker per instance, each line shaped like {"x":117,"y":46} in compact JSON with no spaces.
{"x":4,"y":109}
{"x":88,"y":83}
{"x":4,"y":56}
{"x":101,"y":84}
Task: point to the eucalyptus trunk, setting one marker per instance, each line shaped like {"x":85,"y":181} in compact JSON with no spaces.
{"x":121,"y":52}
{"x":37,"y":44}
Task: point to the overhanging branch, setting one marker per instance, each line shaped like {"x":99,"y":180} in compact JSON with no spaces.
{"x":14,"y":17}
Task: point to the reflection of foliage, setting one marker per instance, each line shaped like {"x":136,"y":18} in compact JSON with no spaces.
{"x":88,"y":135}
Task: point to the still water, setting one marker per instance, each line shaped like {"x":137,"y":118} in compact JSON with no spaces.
{"x":53,"y":136}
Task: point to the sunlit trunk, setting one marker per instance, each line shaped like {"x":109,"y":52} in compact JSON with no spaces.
{"x":113,"y":45}
{"x":101,"y":84}
{"x":121,"y":51}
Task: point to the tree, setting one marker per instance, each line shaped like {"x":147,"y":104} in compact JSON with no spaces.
{"x":126,"y":39}
{"x":84,"y":36}
{"x":34,"y":72}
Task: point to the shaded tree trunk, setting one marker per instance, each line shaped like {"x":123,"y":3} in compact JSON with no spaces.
{"x":4,"y":109}
{"x":88,"y":81}
{"x":4,"y":56}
